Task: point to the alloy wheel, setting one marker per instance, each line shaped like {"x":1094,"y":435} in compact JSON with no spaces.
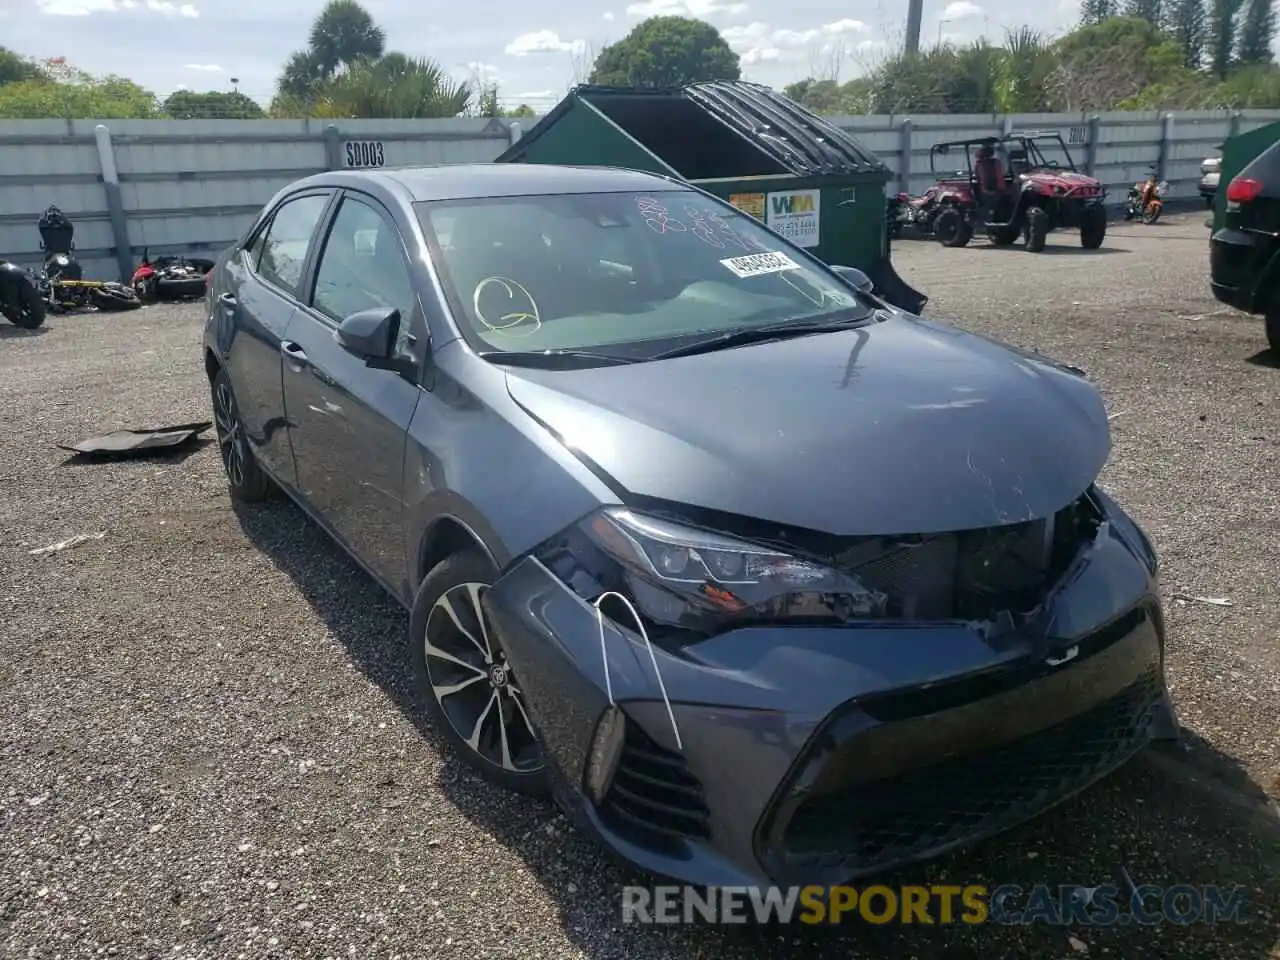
{"x":473,"y":684}
{"x":230,"y":433}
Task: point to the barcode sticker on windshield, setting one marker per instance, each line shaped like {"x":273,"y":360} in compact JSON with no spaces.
{"x":757,"y":264}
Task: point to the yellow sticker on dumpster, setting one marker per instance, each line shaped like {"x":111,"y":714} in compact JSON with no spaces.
{"x":749,"y":203}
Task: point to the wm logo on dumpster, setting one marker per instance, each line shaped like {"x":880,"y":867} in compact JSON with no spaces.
{"x":792,"y":203}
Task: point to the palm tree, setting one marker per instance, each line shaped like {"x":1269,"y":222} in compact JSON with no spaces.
{"x":395,"y":86}
{"x":343,"y":34}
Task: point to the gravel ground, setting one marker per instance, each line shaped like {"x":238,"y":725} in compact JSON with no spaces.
{"x":208,"y":748}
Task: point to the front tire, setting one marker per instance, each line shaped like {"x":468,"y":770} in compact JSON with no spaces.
{"x":1273,"y":329}
{"x":245,"y":478}
{"x":1037,"y":229}
{"x":1093,"y":229}
{"x":951,"y":228}
{"x":28,"y":310}
{"x":472,"y":697}
{"x":147,"y":289}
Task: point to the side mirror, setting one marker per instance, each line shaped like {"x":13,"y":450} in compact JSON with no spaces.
{"x":371,"y":335}
{"x":855,"y":278}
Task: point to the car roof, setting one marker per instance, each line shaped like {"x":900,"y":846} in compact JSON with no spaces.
{"x":461,"y":181}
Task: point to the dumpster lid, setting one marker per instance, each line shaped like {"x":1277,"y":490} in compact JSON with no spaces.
{"x":799,"y":141}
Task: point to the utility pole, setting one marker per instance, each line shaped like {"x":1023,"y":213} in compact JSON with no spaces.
{"x":915,"y":13}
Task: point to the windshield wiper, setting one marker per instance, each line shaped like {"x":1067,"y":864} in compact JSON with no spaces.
{"x":553,"y":359}
{"x":761,"y":334}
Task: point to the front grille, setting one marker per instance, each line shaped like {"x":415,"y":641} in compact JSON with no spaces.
{"x":654,"y":800}
{"x":871,"y":825}
{"x":974,"y":574}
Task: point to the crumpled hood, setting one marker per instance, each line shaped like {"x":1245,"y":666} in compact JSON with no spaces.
{"x":900,"y":427}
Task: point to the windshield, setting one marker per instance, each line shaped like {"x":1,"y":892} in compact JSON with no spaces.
{"x":628,"y":274}
{"x":1049,"y":152}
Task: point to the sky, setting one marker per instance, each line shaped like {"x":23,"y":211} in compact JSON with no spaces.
{"x":531,"y":53}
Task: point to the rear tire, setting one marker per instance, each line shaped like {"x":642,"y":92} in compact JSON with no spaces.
{"x":477,"y":715}
{"x":1093,"y":229}
{"x":951,"y":228}
{"x":1036,"y":230}
{"x":247,"y":481}
{"x":28,"y":312}
{"x":1273,"y":329}
{"x":114,"y":298}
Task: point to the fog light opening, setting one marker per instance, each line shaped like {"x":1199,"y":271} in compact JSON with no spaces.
{"x":605,"y":753}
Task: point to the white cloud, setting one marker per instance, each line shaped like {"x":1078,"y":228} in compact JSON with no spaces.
{"x":961,"y":10}
{"x":684,"y":8}
{"x":532,"y":95}
{"x":202,"y":67}
{"x":608,"y":15}
{"x":759,"y":42}
{"x":542,"y":41}
{"x":76,"y":8}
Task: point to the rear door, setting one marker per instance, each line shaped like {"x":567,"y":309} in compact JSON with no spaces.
{"x":349,"y":423}
{"x":264,"y":280}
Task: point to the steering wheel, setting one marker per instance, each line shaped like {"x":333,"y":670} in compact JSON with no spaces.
{"x":519,"y":315}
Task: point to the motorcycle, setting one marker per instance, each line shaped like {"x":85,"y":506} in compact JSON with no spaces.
{"x":20,"y":299}
{"x":1145,"y":201}
{"x":61,"y":283}
{"x":170,"y":278}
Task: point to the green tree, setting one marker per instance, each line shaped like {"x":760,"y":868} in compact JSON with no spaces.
{"x":64,"y":92}
{"x":1257,"y":30}
{"x":211,"y":105}
{"x":1187,"y":26}
{"x":1149,"y":10}
{"x":522,"y":112}
{"x":666,"y":52}
{"x":343,"y":34}
{"x":15,"y":68}
{"x":395,"y":86}
{"x":1095,"y":11}
{"x":1023,"y":72}
{"x":1101,"y":65}
{"x":1222,"y":34}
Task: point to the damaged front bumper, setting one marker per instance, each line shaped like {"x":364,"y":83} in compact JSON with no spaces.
{"x":804,"y":754}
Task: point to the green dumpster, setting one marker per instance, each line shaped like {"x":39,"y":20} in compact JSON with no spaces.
{"x":804,"y":177}
{"x":1237,"y":153}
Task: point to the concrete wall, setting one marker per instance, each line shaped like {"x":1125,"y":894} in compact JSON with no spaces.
{"x":193,"y":186}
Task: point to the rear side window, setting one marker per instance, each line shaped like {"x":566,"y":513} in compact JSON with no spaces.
{"x":284,"y":243}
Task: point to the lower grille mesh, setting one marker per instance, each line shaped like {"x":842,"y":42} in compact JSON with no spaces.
{"x":878,"y":823}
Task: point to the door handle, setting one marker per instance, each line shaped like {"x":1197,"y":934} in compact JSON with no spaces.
{"x":228,"y":300}
{"x":294,"y":354}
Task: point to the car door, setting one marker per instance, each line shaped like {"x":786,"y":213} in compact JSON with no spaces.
{"x":264,"y":285}
{"x":348,"y":422}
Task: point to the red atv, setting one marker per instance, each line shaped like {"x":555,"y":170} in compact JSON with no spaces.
{"x":917,"y":216}
{"x":1020,"y":185}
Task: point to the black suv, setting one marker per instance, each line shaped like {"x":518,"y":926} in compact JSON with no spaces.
{"x":1244,"y":256}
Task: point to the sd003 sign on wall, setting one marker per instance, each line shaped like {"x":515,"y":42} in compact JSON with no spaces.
{"x":364,"y":153}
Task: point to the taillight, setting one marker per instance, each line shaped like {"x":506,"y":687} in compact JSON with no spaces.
{"x":1243,"y":189}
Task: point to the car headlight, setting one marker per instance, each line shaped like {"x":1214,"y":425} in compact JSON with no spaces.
{"x":682,"y":576}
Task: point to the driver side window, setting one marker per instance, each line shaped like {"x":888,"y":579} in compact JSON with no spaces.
{"x":362,"y":268}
